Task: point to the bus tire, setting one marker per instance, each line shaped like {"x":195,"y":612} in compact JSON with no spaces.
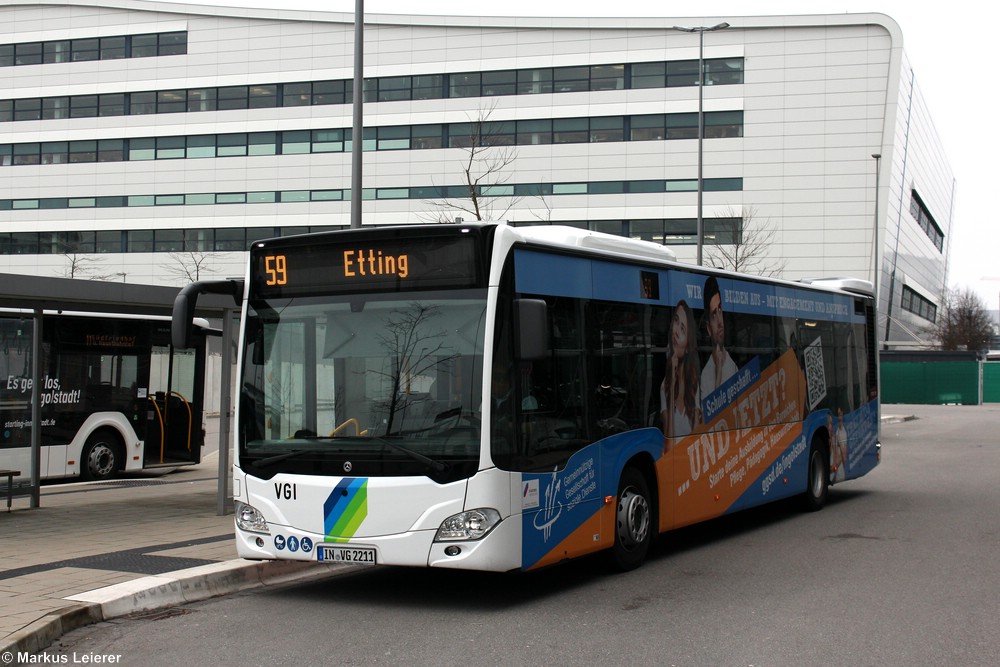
{"x":100,"y":456}
{"x":633,"y":521}
{"x":817,"y":478}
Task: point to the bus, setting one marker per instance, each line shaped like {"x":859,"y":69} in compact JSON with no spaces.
{"x":115,"y":396}
{"x":500,"y":398}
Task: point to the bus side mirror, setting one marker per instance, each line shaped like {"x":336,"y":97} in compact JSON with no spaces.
{"x":532,"y":329}
{"x":186,"y":301}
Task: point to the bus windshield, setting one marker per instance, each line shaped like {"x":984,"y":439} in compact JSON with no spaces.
{"x":390,"y":383}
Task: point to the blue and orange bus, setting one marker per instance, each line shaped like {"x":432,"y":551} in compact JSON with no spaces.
{"x":503,"y":398}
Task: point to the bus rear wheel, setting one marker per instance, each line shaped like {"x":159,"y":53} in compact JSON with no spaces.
{"x":633,"y":521}
{"x":100,"y":457}
{"x":818,"y":479}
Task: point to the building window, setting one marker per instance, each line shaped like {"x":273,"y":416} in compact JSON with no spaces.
{"x":82,"y":151}
{"x":55,"y":107}
{"x":142,"y":103}
{"x":55,"y":152}
{"x":27,"y":109}
{"x":113,"y":48}
{"x":171,"y":43}
{"x":231,"y":145}
{"x":427,"y":87}
{"x":171,"y":101}
{"x":52,"y":151}
{"x":918,"y":305}
{"x":232,"y":97}
{"x":108,"y":241}
{"x":83,"y":106}
{"x":140,"y":240}
{"x":682,"y":73}
{"x":201,"y":99}
{"x":28,"y":54}
{"x":200,"y":146}
{"x":56,"y":52}
{"x":263,"y":97}
{"x":607,"y":77}
{"x":85,"y":49}
{"x":533,"y":81}
{"x":926,"y":221}
{"x":388,"y":89}
{"x":416,"y":137}
{"x":499,"y":83}
{"x":230,"y":239}
{"x":295,"y":142}
{"x":331,"y":92}
{"x":112,"y":104}
{"x":647,"y":128}
{"x":570,"y":79}
{"x":465,"y":85}
{"x":143,"y":46}
{"x":168,"y":240}
{"x":296,"y":94}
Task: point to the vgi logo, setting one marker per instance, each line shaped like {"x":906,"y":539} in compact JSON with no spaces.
{"x":286,"y":491}
{"x":348,"y":466}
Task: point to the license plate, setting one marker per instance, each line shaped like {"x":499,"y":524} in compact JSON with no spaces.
{"x":344,"y":554}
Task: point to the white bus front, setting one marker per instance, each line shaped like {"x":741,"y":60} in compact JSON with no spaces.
{"x":359,"y":436}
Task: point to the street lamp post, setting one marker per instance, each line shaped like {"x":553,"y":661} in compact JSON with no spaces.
{"x":701,"y":30}
{"x":357,"y":131}
{"x":876,"y":267}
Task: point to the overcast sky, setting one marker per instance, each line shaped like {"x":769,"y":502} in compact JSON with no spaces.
{"x":950,"y":46}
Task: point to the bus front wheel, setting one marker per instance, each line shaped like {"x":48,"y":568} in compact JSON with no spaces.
{"x":633,"y":521}
{"x":100,"y":457}
{"x":818,"y":480}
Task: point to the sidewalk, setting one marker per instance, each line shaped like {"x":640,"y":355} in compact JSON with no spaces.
{"x":96,"y":551}
{"x":92,"y":552}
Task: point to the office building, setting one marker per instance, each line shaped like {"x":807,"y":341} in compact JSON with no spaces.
{"x":151,"y":142}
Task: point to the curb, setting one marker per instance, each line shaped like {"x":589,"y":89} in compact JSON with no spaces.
{"x":155,"y":592}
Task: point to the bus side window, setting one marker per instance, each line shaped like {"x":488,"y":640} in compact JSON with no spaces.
{"x":619,"y":349}
{"x":553,"y":426}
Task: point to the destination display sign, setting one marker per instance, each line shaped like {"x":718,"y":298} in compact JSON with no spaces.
{"x":332,"y":265}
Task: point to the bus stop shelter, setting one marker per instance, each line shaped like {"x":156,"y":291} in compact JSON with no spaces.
{"x":38,"y":294}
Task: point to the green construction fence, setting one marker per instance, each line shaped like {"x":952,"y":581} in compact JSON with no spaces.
{"x":928,"y":378}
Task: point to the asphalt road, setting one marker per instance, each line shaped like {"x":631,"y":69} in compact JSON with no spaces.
{"x":901,"y":568}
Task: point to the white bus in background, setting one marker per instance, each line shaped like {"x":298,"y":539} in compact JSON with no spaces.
{"x":115,"y":395}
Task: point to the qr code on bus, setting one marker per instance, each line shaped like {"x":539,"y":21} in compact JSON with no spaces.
{"x":812,"y":358}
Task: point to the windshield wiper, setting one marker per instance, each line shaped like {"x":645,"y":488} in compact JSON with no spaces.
{"x":277,"y":458}
{"x":436,"y":466}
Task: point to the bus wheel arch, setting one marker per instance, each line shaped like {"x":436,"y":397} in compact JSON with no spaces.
{"x":636,"y":522}
{"x":103,"y":455}
{"x":817,"y":475}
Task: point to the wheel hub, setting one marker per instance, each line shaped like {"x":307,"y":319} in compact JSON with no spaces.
{"x":633,"y":518}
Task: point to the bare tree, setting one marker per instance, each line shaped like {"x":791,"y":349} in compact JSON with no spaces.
{"x":545,"y":215}
{"x":489,"y":152}
{"x":191,"y":266}
{"x":84,"y":266}
{"x":416,"y":347}
{"x":962,"y":322}
{"x":743,"y":243}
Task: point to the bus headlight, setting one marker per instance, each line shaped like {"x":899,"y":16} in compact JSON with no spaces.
{"x":468,"y":525}
{"x":249,"y":519}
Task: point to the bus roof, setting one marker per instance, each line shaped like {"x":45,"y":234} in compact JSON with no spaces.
{"x":24,"y":312}
{"x":582,"y":238}
{"x":572,"y":237}
{"x":854,"y":285}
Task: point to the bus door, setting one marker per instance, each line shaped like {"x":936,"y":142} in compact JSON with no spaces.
{"x":174,"y":430}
